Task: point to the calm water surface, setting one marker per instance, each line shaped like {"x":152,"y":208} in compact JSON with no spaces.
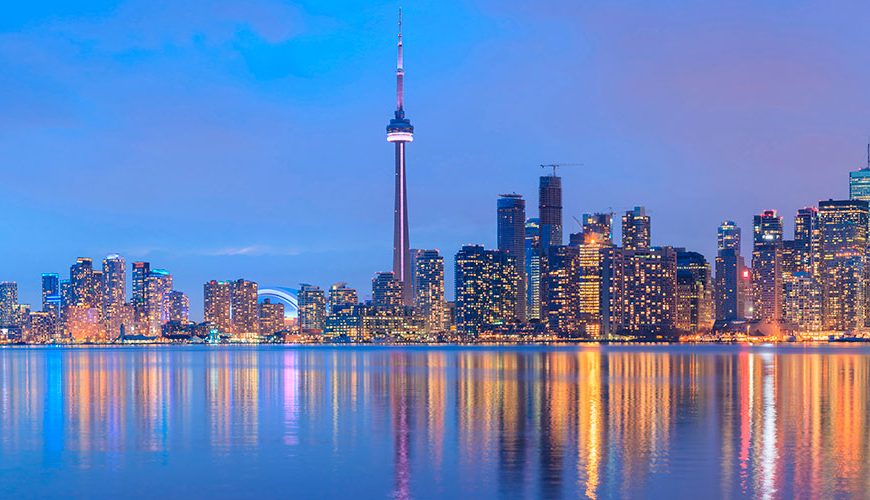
{"x":380,"y":422}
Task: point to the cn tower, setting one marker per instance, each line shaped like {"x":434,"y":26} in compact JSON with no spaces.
{"x":400,"y":132}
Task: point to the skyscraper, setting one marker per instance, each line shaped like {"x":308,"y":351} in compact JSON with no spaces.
{"x":598,"y":228}
{"x":141,"y":270}
{"x":511,"y":240}
{"x":312,"y":308}
{"x":157,"y":284}
{"x":8,"y":302}
{"x":486,"y":293}
{"x":550,"y":211}
{"x":271,"y":317}
{"x":114,"y":293}
{"x":636,"y":229}
{"x":177,"y":306}
{"x":533,"y":269}
{"x":244,"y":308}
{"x":767,"y":266}
{"x":216,"y":295}
{"x":563,"y":290}
{"x":859,"y":182}
{"x":387,"y":292}
{"x":50,"y":288}
{"x":694,"y":311}
{"x":400,"y":132}
{"x":342,"y":297}
{"x":843,"y":226}
{"x":649,"y":291}
{"x":729,"y":289}
{"x":428,"y":281}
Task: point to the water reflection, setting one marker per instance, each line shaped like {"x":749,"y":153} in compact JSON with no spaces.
{"x":376,"y":422}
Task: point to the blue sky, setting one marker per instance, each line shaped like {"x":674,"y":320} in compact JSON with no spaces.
{"x":246,"y":139}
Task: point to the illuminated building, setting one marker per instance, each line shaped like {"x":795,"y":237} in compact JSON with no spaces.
{"x":486,"y":289}
{"x":8,"y":301}
{"x":636,"y":229}
{"x":216,"y":295}
{"x":400,"y":132}
{"x":808,"y":240}
{"x":550,"y":211}
{"x":177,"y":306}
{"x":592,"y":277}
{"x":612,"y":290}
{"x":271,"y":317}
{"x":387,"y":292}
{"x":341,"y":297}
{"x":511,"y":211}
{"x":767,"y":266}
{"x":157,"y":284}
{"x":859,"y":182}
{"x":598,"y":228}
{"x":729,"y":289}
{"x":428,"y":269}
{"x":844,"y":245}
{"x":85,"y":324}
{"x":141,"y":270}
{"x":114,"y":294}
{"x":533,"y":269}
{"x":245,"y":315}
{"x":312,"y":309}
{"x":50,"y":288}
{"x":694,"y":312}
{"x":649,"y":291}
{"x":86,"y":285}
{"x":563,"y":291}
{"x":40,"y":327}
{"x":802,"y":302}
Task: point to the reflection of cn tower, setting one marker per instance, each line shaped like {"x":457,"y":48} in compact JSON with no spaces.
{"x":399,"y":132}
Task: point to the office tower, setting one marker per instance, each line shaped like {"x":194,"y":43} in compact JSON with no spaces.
{"x":859,"y":182}
{"x":400,"y":132}
{"x":843,"y":226}
{"x":8,"y":301}
{"x":50,"y":288}
{"x":550,"y":211}
{"x":802,"y":302}
{"x":216,"y":295}
{"x":533,"y":269}
{"x":649,"y":291}
{"x":767,"y":266}
{"x":808,"y":240}
{"x":312,"y":308}
{"x":141,"y":270}
{"x":512,"y":240}
{"x":114,"y":294}
{"x":729,"y":288}
{"x":592,"y":279}
{"x":636,"y":229}
{"x":428,"y":266}
{"x":563,"y":291}
{"x":341,"y":298}
{"x":177,"y":306}
{"x":272,"y":317}
{"x":598,"y":228}
{"x":66,"y":301}
{"x":387,"y":292}
{"x":486,"y":291}
{"x":244,"y":308}
{"x":694,"y":311}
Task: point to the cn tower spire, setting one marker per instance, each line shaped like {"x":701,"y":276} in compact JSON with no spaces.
{"x":400,"y":132}
{"x":400,"y":73}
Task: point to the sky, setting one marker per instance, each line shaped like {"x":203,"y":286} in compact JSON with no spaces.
{"x":246,"y":139}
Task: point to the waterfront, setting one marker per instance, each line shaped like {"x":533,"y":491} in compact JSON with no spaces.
{"x":482,"y":421}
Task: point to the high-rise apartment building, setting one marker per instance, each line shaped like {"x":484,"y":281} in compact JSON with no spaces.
{"x":8,"y":302}
{"x":428,"y":273}
{"x":177,"y":306}
{"x":533,"y":269}
{"x":217,"y":301}
{"x":486,"y":291}
{"x":729,"y":287}
{"x":649,"y":291}
{"x":843,"y":226}
{"x":550,"y":211}
{"x":50,"y":288}
{"x":694,"y":312}
{"x":563,"y":291}
{"x":767,"y":266}
{"x":272,"y":317}
{"x":387,"y":292}
{"x":114,"y":294}
{"x":312,"y":308}
{"x":511,"y":210}
{"x":636,"y":229}
{"x":859,"y":182}
{"x":598,"y":228}
{"x":245,"y":315}
{"x":342,"y":298}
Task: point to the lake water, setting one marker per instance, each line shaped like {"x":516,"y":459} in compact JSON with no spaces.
{"x":422,"y":422}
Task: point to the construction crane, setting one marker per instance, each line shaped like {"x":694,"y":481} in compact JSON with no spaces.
{"x":554,"y":166}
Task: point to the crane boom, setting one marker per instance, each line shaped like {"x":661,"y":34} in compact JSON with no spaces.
{"x":554,"y":166}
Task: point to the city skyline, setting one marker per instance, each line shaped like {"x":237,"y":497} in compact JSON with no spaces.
{"x":60,"y":199}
